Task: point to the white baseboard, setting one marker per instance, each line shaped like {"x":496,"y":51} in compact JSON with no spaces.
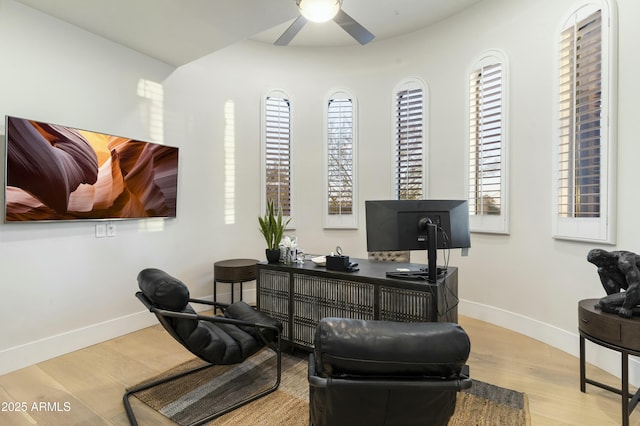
{"x":30,"y":353}
{"x":564,"y":340}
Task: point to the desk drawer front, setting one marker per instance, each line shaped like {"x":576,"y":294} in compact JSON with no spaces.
{"x":315,"y":298}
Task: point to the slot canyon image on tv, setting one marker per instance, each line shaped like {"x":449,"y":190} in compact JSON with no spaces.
{"x":54,"y":172}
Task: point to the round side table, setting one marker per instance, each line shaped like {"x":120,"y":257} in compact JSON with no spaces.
{"x":616,"y":333}
{"x":233,"y":271}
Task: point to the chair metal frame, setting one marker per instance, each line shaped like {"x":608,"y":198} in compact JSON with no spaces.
{"x":164,"y":314}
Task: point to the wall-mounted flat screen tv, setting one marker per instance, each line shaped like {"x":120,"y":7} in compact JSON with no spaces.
{"x":55,"y":172}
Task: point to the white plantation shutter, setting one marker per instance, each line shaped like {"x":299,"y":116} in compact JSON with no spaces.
{"x":580,"y":119}
{"x":340,"y":156}
{"x":277,"y":152}
{"x":485,"y":155}
{"x":584,"y":152}
{"x":488,"y":205}
{"x":340,"y":162}
{"x":409,"y":177}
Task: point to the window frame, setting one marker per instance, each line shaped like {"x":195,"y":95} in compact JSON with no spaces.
{"x":600,"y":229}
{"x":485,"y":223}
{"x":280,"y":94}
{"x":340,"y":221}
{"x":409,"y":83}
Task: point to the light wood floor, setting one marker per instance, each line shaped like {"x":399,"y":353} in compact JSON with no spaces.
{"x":86,"y":386}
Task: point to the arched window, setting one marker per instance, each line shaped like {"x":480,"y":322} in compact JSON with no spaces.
{"x":409,"y":178}
{"x":276,"y":152}
{"x":585,"y":145}
{"x":487,"y":172}
{"x":341,"y":207}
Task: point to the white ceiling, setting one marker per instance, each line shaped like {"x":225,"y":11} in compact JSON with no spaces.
{"x":181,"y":31}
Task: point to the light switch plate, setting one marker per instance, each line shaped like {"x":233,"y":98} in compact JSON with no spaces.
{"x":111,"y":229}
{"x":101,"y":230}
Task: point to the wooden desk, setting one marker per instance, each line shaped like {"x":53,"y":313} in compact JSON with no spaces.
{"x":613,"y":332}
{"x":301,"y":295}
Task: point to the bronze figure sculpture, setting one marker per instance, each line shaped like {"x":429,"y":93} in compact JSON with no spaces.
{"x":620,"y":276}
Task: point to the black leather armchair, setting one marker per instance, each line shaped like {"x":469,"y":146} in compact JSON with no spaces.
{"x":386,"y":373}
{"x":225,"y":339}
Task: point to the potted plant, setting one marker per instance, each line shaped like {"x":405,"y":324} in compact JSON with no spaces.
{"x":272,"y":228}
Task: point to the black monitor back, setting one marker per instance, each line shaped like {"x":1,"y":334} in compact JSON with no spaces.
{"x":401,"y":224}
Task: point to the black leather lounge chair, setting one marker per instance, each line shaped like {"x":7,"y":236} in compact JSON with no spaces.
{"x":225,"y":339}
{"x":378,"y":373}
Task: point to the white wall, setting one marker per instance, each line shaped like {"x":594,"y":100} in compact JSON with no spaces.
{"x":525,"y":281}
{"x":62,"y":288}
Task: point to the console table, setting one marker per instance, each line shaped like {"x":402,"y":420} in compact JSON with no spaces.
{"x":300,"y":295}
{"x":613,"y":332}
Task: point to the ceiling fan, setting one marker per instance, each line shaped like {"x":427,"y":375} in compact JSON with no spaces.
{"x":322,"y":11}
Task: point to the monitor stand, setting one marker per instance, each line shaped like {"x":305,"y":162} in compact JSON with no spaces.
{"x":432,"y":251}
{"x":431,"y":273}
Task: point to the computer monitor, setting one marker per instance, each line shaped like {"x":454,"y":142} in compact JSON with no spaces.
{"x":396,"y":225}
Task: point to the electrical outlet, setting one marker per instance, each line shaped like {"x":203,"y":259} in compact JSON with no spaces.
{"x":101,"y":230}
{"x":111,"y":229}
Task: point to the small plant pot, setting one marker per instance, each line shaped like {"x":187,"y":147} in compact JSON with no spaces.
{"x":273,"y":255}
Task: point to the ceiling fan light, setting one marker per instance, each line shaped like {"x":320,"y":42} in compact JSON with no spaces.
{"x":319,"y":10}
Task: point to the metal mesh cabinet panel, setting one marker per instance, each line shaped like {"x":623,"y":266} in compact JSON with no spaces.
{"x":274,"y":296}
{"x":300,"y":296}
{"x":315,"y":298}
{"x":406,"y":305}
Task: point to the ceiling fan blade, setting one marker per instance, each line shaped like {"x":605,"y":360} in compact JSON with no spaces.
{"x":291,"y":32}
{"x":350,"y":25}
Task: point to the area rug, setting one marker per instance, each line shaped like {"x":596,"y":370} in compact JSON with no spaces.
{"x":213,"y":389}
